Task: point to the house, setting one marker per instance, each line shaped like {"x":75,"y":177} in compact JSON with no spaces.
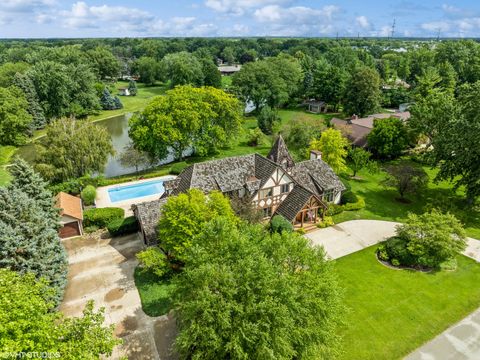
{"x":123,"y":92}
{"x":71,"y":213}
{"x":275,"y":185}
{"x":316,"y":107}
{"x":357,"y":129}
{"x":227,"y":70}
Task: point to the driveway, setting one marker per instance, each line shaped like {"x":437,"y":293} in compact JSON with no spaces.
{"x":459,"y":342}
{"x":102,"y":270}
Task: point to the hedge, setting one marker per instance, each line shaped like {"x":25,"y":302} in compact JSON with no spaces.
{"x":178,"y":168}
{"x":125,"y":226}
{"x":88,"y":195}
{"x":102,"y":217}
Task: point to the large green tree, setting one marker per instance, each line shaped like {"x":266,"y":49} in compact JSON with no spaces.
{"x":388,"y":138}
{"x":333,"y":147}
{"x":9,"y":70}
{"x":329,"y":83}
{"x":25,"y":83}
{"x":103,"y":62}
{"x":73,"y":148}
{"x":15,"y":122}
{"x":362,"y":94}
{"x":148,"y":69}
{"x":29,"y":323}
{"x":248,"y":294}
{"x":182,"y":68}
{"x":203,"y":118}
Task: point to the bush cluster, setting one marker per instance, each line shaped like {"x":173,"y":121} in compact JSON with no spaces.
{"x":125,"y":226}
{"x":279,"y":224}
{"x":327,"y":221}
{"x":395,"y":251}
{"x":102,"y":217}
{"x":349,"y":197}
{"x":334,"y":209}
{"x":178,"y":168}
{"x":88,"y":195}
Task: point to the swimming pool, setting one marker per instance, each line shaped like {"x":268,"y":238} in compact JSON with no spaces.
{"x":128,"y":192}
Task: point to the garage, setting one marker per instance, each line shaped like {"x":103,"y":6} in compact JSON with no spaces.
{"x":71,"y":213}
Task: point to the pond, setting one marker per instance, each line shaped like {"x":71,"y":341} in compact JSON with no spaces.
{"x":117,"y":127}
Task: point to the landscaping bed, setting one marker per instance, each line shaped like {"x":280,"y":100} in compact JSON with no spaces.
{"x":391,"y":313}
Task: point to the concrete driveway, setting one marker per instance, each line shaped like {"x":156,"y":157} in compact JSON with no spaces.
{"x":102,"y":270}
{"x":351,"y":236}
{"x":459,"y":342}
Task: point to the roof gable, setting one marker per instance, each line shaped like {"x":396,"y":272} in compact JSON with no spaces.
{"x":279,"y":153}
{"x":69,"y":205}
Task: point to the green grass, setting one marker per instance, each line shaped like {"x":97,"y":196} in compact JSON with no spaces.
{"x":6,"y":153}
{"x":381,"y":203}
{"x":392,"y":312}
{"x":155,"y":293}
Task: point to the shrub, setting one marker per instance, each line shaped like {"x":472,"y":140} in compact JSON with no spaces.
{"x":178,"y":168}
{"x":88,"y":195}
{"x":360,"y":204}
{"x":279,"y":224}
{"x":395,"y":262}
{"x":102,"y":217}
{"x":382,"y":253}
{"x":125,"y":226}
{"x":153,"y":259}
{"x":90,"y":229}
{"x":349,"y":197}
{"x":301,"y":231}
{"x":327,"y":221}
{"x":396,"y":248}
{"x":255,"y":137}
{"x":334,"y":209}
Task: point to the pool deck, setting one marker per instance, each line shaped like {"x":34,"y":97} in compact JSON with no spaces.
{"x":103,"y":199}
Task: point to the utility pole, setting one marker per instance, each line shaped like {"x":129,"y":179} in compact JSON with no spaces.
{"x":438,"y":34}
{"x":392,"y":33}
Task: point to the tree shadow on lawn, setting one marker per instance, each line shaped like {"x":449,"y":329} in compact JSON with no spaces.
{"x":155,"y":292}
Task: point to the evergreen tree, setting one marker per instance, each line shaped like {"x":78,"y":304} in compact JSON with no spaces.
{"x":23,"y":82}
{"x":110,"y":102}
{"x":29,"y":242}
{"x":24,"y":178}
{"x":266,"y":120}
{"x":132,"y":88}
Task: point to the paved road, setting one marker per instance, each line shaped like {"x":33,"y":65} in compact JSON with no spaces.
{"x":102,"y":270}
{"x":459,"y":342}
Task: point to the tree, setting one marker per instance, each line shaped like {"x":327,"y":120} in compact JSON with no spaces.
{"x":182,"y":68}
{"x":388,"y":138}
{"x":245,"y":209}
{"x":333,"y":148}
{"x":406,"y":179}
{"x":329,"y":83}
{"x":29,"y":241}
{"x":228,"y":55}
{"x":109,"y":102}
{"x":31,"y":324}
{"x":432,"y":238}
{"x":131,"y":157}
{"x":72,"y":149}
{"x":358,"y":159}
{"x":25,"y":179}
{"x":362,"y":94}
{"x":455,"y":147}
{"x":245,"y":293}
{"x":148,"y":69}
{"x":301,"y":131}
{"x":132,"y":88}
{"x":203,"y":118}
{"x":15,"y":122}
{"x":104,"y":63}
{"x":25,"y":83}
{"x":212,"y":76}
{"x":184,"y":216}
{"x":266,"y":119}
{"x":9,"y":70}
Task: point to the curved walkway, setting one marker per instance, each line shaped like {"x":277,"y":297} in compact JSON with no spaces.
{"x":460,"y":341}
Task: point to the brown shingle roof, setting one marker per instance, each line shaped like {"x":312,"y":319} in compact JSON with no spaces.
{"x":69,"y":205}
{"x":280,"y":155}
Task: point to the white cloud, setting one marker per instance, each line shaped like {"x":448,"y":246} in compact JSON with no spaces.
{"x":295,"y":15}
{"x":239,"y":7}
{"x":25,"y":5}
{"x":362,"y":22}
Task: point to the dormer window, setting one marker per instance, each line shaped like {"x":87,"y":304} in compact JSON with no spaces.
{"x":285,"y":188}
{"x":264,"y":193}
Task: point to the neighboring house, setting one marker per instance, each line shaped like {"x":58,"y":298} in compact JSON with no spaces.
{"x":123,"y":92}
{"x":357,"y":129}
{"x":275,"y":184}
{"x":71,"y":213}
{"x":228,"y":70}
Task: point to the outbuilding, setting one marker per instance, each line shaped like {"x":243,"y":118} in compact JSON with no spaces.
{"x":71,"y":213}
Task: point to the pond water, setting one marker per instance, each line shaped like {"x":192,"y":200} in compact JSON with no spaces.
{"x":117,"y":127}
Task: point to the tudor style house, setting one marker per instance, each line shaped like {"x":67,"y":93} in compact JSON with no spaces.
{"x":275,"y":184}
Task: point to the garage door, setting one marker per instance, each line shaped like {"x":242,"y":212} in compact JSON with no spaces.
{"x":69,"y":230}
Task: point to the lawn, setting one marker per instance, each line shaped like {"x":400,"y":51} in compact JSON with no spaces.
{"x":381,"y":203}
{"x":393,"y":312}
{"x":155,"y":293}
{"x":6,"y":153}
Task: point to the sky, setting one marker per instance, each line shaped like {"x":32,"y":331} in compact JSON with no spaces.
{"x":206,"y":18}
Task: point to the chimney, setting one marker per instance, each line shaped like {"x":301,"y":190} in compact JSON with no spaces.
{"x":315,"y":155}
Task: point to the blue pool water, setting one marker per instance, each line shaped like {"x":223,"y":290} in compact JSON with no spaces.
{"x":129,"y":192}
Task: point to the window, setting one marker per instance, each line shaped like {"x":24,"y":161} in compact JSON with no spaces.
{"x":328,"y":196}
{"x":267,"y":212}
{"x":285,"y":188}
{"x":266,"y":193}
